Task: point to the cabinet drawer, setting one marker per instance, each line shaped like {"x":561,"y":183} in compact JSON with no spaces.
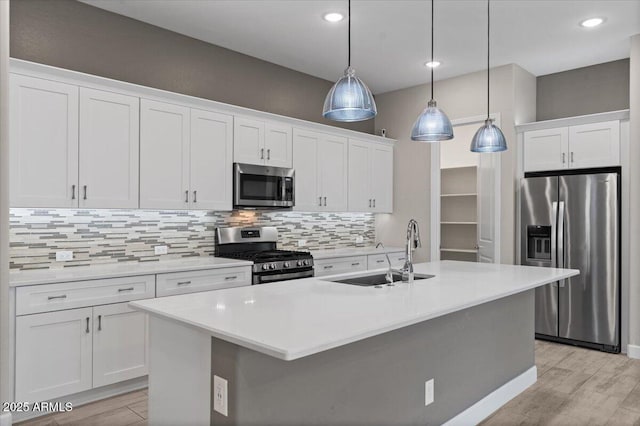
{"x":211,"y":279}
{"x":339,"y":265}
{"x":377,"y":261}
{"x":55,"y":297}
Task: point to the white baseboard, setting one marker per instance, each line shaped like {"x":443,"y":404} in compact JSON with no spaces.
{"x":5,"y":419}
{"x":633,"y":351}
{"x":496,"y":399}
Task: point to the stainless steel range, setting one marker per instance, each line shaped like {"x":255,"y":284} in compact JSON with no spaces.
{"x":259,"y":245}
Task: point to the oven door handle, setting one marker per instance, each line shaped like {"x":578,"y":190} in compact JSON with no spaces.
{"x":262,"y":279}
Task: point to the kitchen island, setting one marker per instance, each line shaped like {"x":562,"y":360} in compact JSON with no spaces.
{"x":312,"y":351}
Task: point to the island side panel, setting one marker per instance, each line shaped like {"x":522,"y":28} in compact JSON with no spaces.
{"x":381,"y":380}
{"x":179,"y":372}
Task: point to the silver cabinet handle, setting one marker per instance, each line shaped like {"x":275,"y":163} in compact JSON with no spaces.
{"x":63,"y":296}
{"x":355,"y":264}
{"x":195,"y":196}
{"x":85,"y":192}
{"x":320,"y":201}
{"x":369,"y":202}
{"x":572,"y":156}
{"x":120,"y":290}
{"x":99,"y":322}
{"x":184,"y":283}
{"x":186,"y":196}
{"x":73,"y":192}
{"x":262,"y":153}
{"x":268,"y":154}
{"x":231,"y":277}
{"x":374,"y":203}
{"x":328,"y":266}
{"x":563,"y":158}
{"x":325,"y":201}
{"x":87,"y":329}
{"x":380,"y":261}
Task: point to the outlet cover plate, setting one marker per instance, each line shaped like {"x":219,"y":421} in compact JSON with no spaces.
{"x":220,"y":395}
{"x":428,"y":392}
{"x":302,"y":243}
{"x":161,"y":249}
{"x":64,"y":255}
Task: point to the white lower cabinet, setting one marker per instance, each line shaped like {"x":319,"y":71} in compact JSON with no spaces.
{"x":339,"y":265}
{"x":53,"y":354}
{"x":377,"y":261}
{"x":174,"y":283}
{"x":120,"y":344}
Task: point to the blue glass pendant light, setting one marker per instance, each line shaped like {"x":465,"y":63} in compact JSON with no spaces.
{"x":349,"y":99}
{"x":489,"y":137}
{"x":432,"y":125}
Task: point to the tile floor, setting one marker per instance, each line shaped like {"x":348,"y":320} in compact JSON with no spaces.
{"x":575,"y":387}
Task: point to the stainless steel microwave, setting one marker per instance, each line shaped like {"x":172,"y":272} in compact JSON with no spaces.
{"x":262,"y":187}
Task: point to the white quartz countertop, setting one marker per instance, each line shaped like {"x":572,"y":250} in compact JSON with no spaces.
{"x":293,"y":319}
{"x":81,"y":273}
{"x":352,"y":251}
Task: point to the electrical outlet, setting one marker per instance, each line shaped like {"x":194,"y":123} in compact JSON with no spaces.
{"x":428,"y":392}
{"x":220,"y":395}
{"x":302,"y":243}
{"x":161,"y":249}
{"x":359,"y":239}
{"x":64,"y":255}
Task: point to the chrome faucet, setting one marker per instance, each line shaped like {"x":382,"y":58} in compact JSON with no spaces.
{"x":413,"y":242}
{"x":389,"y":275}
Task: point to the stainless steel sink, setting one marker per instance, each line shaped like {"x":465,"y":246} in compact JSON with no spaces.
{"x":377,"y":279}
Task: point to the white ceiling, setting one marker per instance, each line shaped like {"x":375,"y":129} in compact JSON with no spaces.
{"x":390,"y":38}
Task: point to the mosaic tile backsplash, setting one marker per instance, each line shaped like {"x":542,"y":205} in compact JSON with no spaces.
{"x":111,"y":236}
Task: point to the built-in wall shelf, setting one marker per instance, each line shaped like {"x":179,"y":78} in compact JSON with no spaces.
{"x":454,"y":250}
{"x":473,"y":194}
{"x":458,"y":223}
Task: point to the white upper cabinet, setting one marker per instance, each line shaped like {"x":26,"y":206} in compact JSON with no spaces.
{"x":546,"y":149}
{"x":262,"y":143}
{"x":573,"y":147}
{"x":164,"y":155}
{"x":109,"y":150}
{"x":370,"y":177}
{"x":211,"y":168}
{"x":321,"y":164}
{"x":44,"y":143}
{"x":594,"y":145}
{"x":305,"y":163}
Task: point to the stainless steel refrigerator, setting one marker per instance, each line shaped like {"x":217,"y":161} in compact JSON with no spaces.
{"x":572,"y":220}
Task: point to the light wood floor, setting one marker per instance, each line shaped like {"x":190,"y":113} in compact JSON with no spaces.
{"x":575,"y":387}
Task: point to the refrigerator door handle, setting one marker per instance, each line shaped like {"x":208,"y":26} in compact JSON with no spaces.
{"x":554,"y":222}
{"x":561,"y":238}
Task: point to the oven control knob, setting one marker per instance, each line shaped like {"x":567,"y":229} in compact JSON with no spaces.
{"x":265,"y":267}
{"x":272,"y":266}
{"x":286,"y":264}
{"x":305,"y":262}
{"x":299,"y":263}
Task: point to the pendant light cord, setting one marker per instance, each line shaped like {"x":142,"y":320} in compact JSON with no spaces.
{"x":488,"y":47}
{"x":349,"y":37}
{"x":432,"y":1}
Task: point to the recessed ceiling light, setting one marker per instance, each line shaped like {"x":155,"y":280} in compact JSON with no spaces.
{"x":433,"y":64}
{"x":591,"y":22}
{"x":333,"y":17}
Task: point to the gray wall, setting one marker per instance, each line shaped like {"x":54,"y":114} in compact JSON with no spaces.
{"x":380,"y":380}
{"x":76,"y":36}
{"x":588,"y":90}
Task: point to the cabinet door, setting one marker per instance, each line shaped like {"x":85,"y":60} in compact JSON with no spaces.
{"x":211,"y":172}
{"x":333,"y":154}
{"x":120,"y":342}
{"x":164,"y":155}
{"x":305,"y":162}
{"x":248,"y":141}
{"x":594,"y":145}
{"x":278,"y":145}
{"x":546,"y":149}
{"x":109,"y":149}
{"x":339,"y":265}
{"x":382,"y":178}
{"x":44,"y":143}
{"x":360,"y":194}
{"x":53,"y":354}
